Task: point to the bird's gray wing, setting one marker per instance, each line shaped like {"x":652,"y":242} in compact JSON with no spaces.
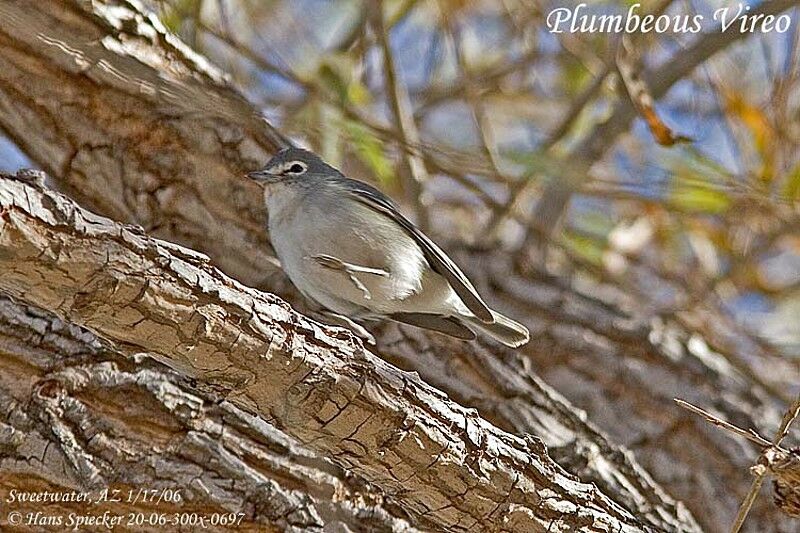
{"x":437,"y":259}
{"x":443,"y":324}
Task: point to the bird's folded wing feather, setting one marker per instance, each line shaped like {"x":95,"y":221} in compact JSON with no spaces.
{"x":349,"y":269}
{"x":437,"y":259}
{"x":335,"y":263}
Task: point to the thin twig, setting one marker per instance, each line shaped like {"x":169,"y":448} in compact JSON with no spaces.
{"x":480,"y":115}
{"x":251,"y":55}
{"x":476,"y":104}
{"x":401,"y":12}
{"x":750,"y":435}
{"x":759,"y":471}
{"x":416,"y":173}
{"x":480,"y":77}
{"x":555,"y":200}
{"x":752,"y":494}
{"x":788,"y":417}
{"x":525,"y":184}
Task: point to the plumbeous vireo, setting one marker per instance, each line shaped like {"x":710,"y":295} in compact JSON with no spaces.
{"x":349,"y":250}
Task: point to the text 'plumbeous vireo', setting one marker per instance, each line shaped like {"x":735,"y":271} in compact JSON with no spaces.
{"x":349,"y":250}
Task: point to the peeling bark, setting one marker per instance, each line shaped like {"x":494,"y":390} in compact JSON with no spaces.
{"x":138,"y":128}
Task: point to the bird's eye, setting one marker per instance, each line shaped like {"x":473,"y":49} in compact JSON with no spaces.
{"x":296,"y":168}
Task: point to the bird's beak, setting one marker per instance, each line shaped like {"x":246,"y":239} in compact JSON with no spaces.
{"x":262,"y":176}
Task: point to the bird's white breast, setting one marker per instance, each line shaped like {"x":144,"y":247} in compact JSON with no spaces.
{"x":304,"y":223}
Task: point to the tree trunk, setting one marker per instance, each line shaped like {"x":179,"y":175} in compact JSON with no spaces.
{"x":135,"y":126}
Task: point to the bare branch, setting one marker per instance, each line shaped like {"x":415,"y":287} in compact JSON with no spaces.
{"x":174,"y":166}
{"x":555,"y":199}
{"x":750,"y":435}
{"x":789,"y":417}
{"x":167,"y":175}
{"x":772,"y":459}
{"x":415,"y":172}
{"x":628,"y":65}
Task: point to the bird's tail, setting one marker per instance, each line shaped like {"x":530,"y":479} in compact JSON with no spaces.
{"x":502,"y":329}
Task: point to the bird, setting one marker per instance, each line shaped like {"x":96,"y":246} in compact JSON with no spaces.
{"x":355,"y":257}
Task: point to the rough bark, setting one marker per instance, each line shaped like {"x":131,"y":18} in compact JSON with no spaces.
{"x":448,"y":467}
{"x":142,"y":103}
{"x":98,"y":109}
{"x":148,"y":132}
{"x":130,"y":424}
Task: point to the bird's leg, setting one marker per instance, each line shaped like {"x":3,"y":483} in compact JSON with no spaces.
{"x":336,"y":319}
{"x":333,"y":263}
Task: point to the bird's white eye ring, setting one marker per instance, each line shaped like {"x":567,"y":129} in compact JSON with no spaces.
{"x":296,"y":167}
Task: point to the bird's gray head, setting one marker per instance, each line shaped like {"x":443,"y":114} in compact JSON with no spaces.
{"x":292,"y":163}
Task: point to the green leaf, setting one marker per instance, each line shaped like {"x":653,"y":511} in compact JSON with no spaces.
{"x":698,"y":183}
{"x":358,"y":94}
{"x":697,"y":198}
{"x":576,"y":76}
{"x":792,"y":187}
{"x":175,"y":13}
{"x":337,"y":75}
{"x":369,"y":150}
{"x":591,"y":249}
{"x":534,"y":161}
{"x":331,"y":79}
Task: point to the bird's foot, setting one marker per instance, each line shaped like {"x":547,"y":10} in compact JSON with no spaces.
{"x":336,"y":319}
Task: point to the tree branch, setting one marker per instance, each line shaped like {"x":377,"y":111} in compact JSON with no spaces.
{"x":415,"y":173}
{"x":555,"y":199}
{"x":173,"y":165}
{"x":153,"y":96}
{"x":440,"y":461}
{"x":138,"y":426}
